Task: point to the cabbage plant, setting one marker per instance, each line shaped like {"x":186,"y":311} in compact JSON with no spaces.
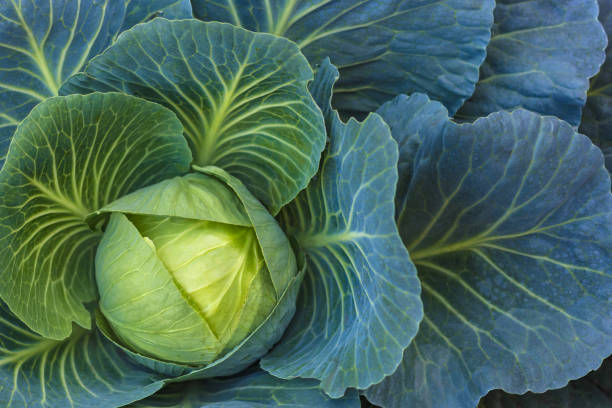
{"x":325,"y":203}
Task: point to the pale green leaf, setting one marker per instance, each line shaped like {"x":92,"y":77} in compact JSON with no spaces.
{"x":143,"y":303}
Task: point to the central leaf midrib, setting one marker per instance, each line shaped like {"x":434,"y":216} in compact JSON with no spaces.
{"x":39,"y":57}
{"x":27,"y":353}
{"x":212,"y":135}
{"x":466,"y":245}
{"x":323,"y":239}
{"x":43,"y":345}
{"x":477,"y":241}
{"x":283,"y":22}
{"x":79,"y":210}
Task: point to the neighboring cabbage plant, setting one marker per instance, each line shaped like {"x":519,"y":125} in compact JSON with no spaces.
{"x":595,"y":389}
{"x":187,"y":220}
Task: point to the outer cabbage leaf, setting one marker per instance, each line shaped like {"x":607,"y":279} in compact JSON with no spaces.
{"x":382,"y":47}
{"x":509,"y":222}
{"x":254,"y":388}
{"x":541,"y":56}
{"x":597,"y":116}
{"x":410,"y":118}
{"x":42,"y":43}
{"x":359,"y":305}
{"x":82,"y":371}
{"x":241,"y":96}
{"x":70,"y":157}
{"x":592,"y":391}
{"x":140,"y":11}
{"x":322,"y":89}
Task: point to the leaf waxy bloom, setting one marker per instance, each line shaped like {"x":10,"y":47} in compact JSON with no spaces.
{"x":187,"y":220}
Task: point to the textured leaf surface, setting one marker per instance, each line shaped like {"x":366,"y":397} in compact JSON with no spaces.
{"x":592,"y":391}
{"x":241,"y":96}
{"x":322,"y":89}
{"x":382,"y":47}
{"x":83,"y":371}
{"x":140,"y":11}
{"x":410,"y":118}
{"x":597,"y":116}
{"x":71,"y":156}
{"x":42,"y":43}
{"x":509,"y":222}
{"x":169,"y":370}
{"x":359,"y":305}
{"x":541,"y":56}
{"x":252,"y":389}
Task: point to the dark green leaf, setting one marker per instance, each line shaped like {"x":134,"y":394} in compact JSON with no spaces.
{"x":255,"y":389}
{"x":509,"y":222}
{"x":597,"y":116}
{"x":409,"y":119}
{"x":591,"y":391}
{"x":83,"y":371}
{"x":140,"y":11}
{"x":70,"y":157}
{"x":382,"y":47}
{"x":359,"y":305}
{"x":42,"y":43}
{"x":541,"y":56}
{"x":322,"y":89}
{"x":241,"y":96}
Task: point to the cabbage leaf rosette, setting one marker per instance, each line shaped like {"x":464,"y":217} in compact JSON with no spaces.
{"x":315,"y":203}
{"x":138,"y":235}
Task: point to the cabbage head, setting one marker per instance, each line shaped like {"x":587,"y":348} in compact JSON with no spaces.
{"x":185,"y":289}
